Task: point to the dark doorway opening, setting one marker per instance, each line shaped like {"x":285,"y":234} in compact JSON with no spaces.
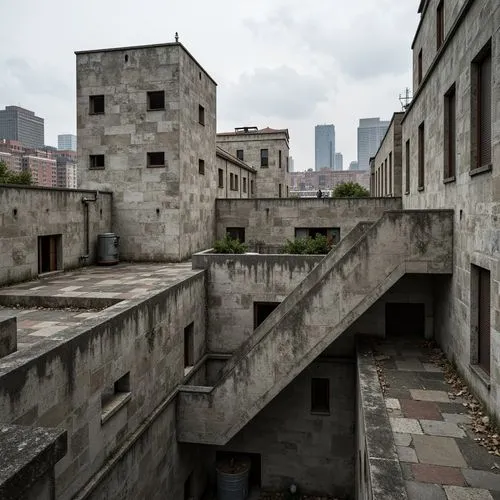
{"x":405,"y":320}
{"x":254,"y":479}
{"x":261,"y":310}
{"x":49,"y":253}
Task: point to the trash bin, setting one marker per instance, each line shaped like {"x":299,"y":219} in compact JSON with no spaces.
{"x":107,"y":249}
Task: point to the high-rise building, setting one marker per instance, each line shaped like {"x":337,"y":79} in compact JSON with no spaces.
{"x":42,"y":167}
{"x":339,"y":161}
{"x":354,"y":165}
{"x":371,"y":131}
{"x":291,"y":164}
{"x":324,"y":146}
{"x":19,"y":124}
{"x":67,"y":171}
{"x":66,"y":142}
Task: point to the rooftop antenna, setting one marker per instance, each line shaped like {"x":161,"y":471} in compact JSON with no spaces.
{"x":405,"y":99}
{"x":176,"y":37}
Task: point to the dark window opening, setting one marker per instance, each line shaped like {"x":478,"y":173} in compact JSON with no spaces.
{"x":439,"y":25}
{"x":264,"y":158}
{"x":244,"y":184}
{"x":279,"y":158}
{"x":385,"y":177}
{"x":421,"y":156}
{"x":201,"y":114}
{"x":156,"y":100}
{"x":261,"y":310}
{"x":49,"y":253}
{"x":201,"y":167}
{"x":419,"y":67}
{"x":405,"y":319}
{"x":239,"y":154}
{"x":96,"y":161}
{"x":236,"y":233}
{"x":236,"y":183}
{"x":407,"y":159}
{"x":113,"y":395}
{"x":287,"y":165}
{"x":320,"y":395}
{"x":390,"y":174}
{"x":251,"y":186}
{"x":221,"y":178}
{"x":189,"y":345}
{"x":156,"y":159}
{"x":96,"y":104}
{"x":188,"y":488}
{"x":279,"y":190}
{"x":481,"y":307}
{"x":450,"y":138}
{"x":231,"y":182}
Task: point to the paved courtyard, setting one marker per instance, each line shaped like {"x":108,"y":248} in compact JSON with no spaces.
{"x":439,"y":456}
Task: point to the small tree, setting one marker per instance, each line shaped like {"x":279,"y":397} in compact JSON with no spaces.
{"x":350,"y":190}
{"x":229,"y":245}
{"x":9,"y":177}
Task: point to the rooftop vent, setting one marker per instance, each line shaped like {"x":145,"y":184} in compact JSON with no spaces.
{"x":245,"y":130}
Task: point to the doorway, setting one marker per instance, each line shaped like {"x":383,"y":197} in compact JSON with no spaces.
{"x":405,"y":320}
{"x":49,"y":253}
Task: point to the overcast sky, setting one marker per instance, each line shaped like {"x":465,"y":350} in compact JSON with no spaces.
{"x":278,"y":63}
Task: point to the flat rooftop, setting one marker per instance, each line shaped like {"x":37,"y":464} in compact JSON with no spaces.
{"x":52,"y":306}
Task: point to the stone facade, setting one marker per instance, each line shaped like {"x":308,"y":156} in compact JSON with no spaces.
{"x":386,"y":172}
{"x":148,"y":147}
{"x":235,"y":179}
{"x":474,"y":193}
{"x":267,"y":151}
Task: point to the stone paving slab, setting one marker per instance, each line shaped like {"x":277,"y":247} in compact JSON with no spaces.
{"x":439,"y":458}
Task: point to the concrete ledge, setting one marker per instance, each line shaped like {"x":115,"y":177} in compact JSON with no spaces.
{"x":9,"y":299}
{"x":8,"y":335}
{"x":384,"y":479}
{"x":28,"y":454}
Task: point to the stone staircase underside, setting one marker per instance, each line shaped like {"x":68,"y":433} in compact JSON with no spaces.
{"x":339,"y":290}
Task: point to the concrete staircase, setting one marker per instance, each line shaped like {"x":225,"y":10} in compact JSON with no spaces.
{"x":366,"y":264}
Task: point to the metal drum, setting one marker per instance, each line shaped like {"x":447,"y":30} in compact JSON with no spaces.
{"x":232,"y":479}
{"x":107,"y":249}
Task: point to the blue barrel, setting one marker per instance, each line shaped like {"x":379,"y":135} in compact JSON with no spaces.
{"x":107,"y":249}
{"x":232,"y":479}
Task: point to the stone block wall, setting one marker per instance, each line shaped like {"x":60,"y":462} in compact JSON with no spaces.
{"x":272,"y":222}
{"x":475,"y":196}
{"x":29,"y":212}
{"x":231,"y":167}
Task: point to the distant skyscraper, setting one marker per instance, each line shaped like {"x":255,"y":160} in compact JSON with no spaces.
{"x":291,"y":164}
{"x":66,"y":142}
{"x":339,"y":161}
{"x":19,"y":124}
{"x":371,"y":131}
{"x":325,"y":146}
{"x":354,"y":165}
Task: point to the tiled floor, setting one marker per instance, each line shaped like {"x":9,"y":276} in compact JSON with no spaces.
{"x":124,"y":282}
{"x":439,"y":458}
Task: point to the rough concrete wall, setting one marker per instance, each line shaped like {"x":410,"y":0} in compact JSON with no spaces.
{"x":235,"y":282}
{"x":268,"y":178}
{"x":146,"y":200}
{"x":197,"y":192}
{"x":274,"y":221}
{"x":60,"y":384}
{"x":229,"y":168}
{"x":476,"y":199}
{"x":316,"y":452}
{"x":29,"y":212}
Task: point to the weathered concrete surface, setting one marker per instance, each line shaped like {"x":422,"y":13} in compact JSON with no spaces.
{"x":27,"y":460}
{"x":29,"y":212}
{"x":274,"y":221}
{"x":8,"y":334}
{"x":235,"y":179}
{"x":400,"y":242}
{"x":235,"y":282}
{"x":475,"y":198}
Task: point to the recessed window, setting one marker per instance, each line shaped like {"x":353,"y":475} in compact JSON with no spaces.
{"x":280,"y":189}
{"x":279,"y":158}
{"x":156,"y":100}
{"x":287,"y":165}
{"x":320,"y":396}
{"x":264,"y":158}
{"x":450,"y":134}
{"x":385,"y":177}
{"x":390,"y":174}
{"x":221,"y":178}
{"x":419,"y":67}
{"x":114,"y":397}
{"x":236,"y":233}
{"x":251,"y":186}
{"x":439,"y":24}
{"x":239,"y":154}
{"x":421,"y":156}
{"x":481,"y":109}
{"x":261,"y":310}
{"x":189,"y":346}
{"x":407,"y":167}
{"x":156,"y":159}
{"x":231,"y":181}
{"x":201,"y":114}
{"x":480,"y":317}
{"x":96,"y":161}
{"x":201,"y":167}
{"x":236,"y":183}
{"x":96,"y":104}
{"x":244,"y":184}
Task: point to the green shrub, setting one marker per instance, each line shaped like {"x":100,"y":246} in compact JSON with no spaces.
{"x":229,"y":245}
{"x":350,"y":190}
{"x":308,"y":246}
{"x":9,"y":177}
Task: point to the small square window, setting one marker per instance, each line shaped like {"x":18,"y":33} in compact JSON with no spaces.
{"x":236,"y":233}
{"x":239,"y":154}
{"x":201,"y":114}
{"x":96,"y":105}
{"x":156,"y":100}
{"x":201,"y":167}
{"x":221,"y":178}
{"x":156,"y":159}
{"x":96,"y":161}
{"x":320,"y":396}
{"x":264,"y":158}
{"x":114,"y":397}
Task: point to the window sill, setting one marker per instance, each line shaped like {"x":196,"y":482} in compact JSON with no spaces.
{"x":264,"y":166}
{"x":97,"y":168}
{"x":407,"y":192}
{"x":96,"y":114}
{"x":481,"y":170}
{"x":114,"y":406}
{"x":156,"y":109}
{"x":321,"y":413}
{"x":449,"y":180}
{"x":421,"y":188}
{"x":156,"y":166}
{"x":483,"y":377}
{"x":201,"y":123}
